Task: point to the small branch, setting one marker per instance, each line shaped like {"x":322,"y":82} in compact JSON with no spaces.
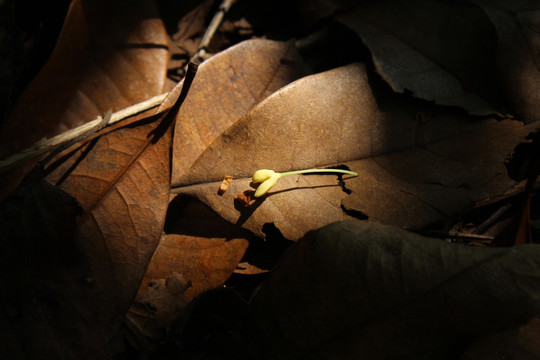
{"x":90,"y":127}
{"x":201,"y":53}
{"x":103,"y":123}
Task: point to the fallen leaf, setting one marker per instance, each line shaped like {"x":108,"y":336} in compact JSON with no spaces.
{"x":122,"y":180}
{"x":442,"y":52}
{"x":412,"y":173}
{"x":518,"y":46}
{"x":364,"y":290}
{"x":201,"y":249}
{"x":106,"y":58}
{"x":228,"y":86}
{"x":205,"y":263}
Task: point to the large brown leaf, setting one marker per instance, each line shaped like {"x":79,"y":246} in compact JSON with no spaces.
{"x":230,"y":85}
{"x":412,"y":173}
{"x":109,"y":55}
{"x":364,"y":290}
{"x":199,"y":254}
{"x":122,"y":180}
{"x":440,"y":51}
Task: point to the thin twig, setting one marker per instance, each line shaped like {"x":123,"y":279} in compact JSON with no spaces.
{"x":201,"y":53}
{"x":46,"y":145}
{"x":104,"y":122}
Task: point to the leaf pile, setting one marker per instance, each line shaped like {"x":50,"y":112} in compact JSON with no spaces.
{"x":123,"y":244}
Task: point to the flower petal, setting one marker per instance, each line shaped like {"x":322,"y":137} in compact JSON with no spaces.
{"x":262,"y":175}
{"x":266,"y":185}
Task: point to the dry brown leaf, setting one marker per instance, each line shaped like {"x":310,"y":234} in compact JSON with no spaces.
{"x":122,"y":180}
{"x":228,"y":86}
{"x":412,"y":173}
{"x":358,"y":289}
{"x":203,"y":252}
{"x":109,"y":55}
{"x":440,"y":51}
{"x":205,"y":263}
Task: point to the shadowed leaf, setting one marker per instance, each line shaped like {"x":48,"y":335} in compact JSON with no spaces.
{"x":518,"y":49}
{"x":46,"y":298}
{"x":365,"y":290}
{"x":440,"y":51}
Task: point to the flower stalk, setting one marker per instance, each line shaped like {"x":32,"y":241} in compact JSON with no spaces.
{"x":269,"y":178}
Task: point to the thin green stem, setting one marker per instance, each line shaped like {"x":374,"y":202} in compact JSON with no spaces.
{"x":348,"y":172}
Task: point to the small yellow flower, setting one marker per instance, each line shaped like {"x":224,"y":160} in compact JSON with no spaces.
{"x":266,"y":184}
{"x":269,"y":178}
{"x":262,"y":175}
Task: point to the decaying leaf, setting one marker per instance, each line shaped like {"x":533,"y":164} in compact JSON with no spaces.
{"x":364,"y":290}
{"x":412,"y":172}
{"x":200,"y":246}
{"x":229,"y":85}
{"x":199,"y":253}
{"x":205,"y":263}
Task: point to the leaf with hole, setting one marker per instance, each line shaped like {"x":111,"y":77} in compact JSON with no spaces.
{"x":411,"y":172}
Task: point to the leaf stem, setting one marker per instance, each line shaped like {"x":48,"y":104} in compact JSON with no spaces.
{"x":307,"y":171}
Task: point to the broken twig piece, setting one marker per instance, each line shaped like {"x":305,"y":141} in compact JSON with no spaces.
{"x":225,"y":184}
